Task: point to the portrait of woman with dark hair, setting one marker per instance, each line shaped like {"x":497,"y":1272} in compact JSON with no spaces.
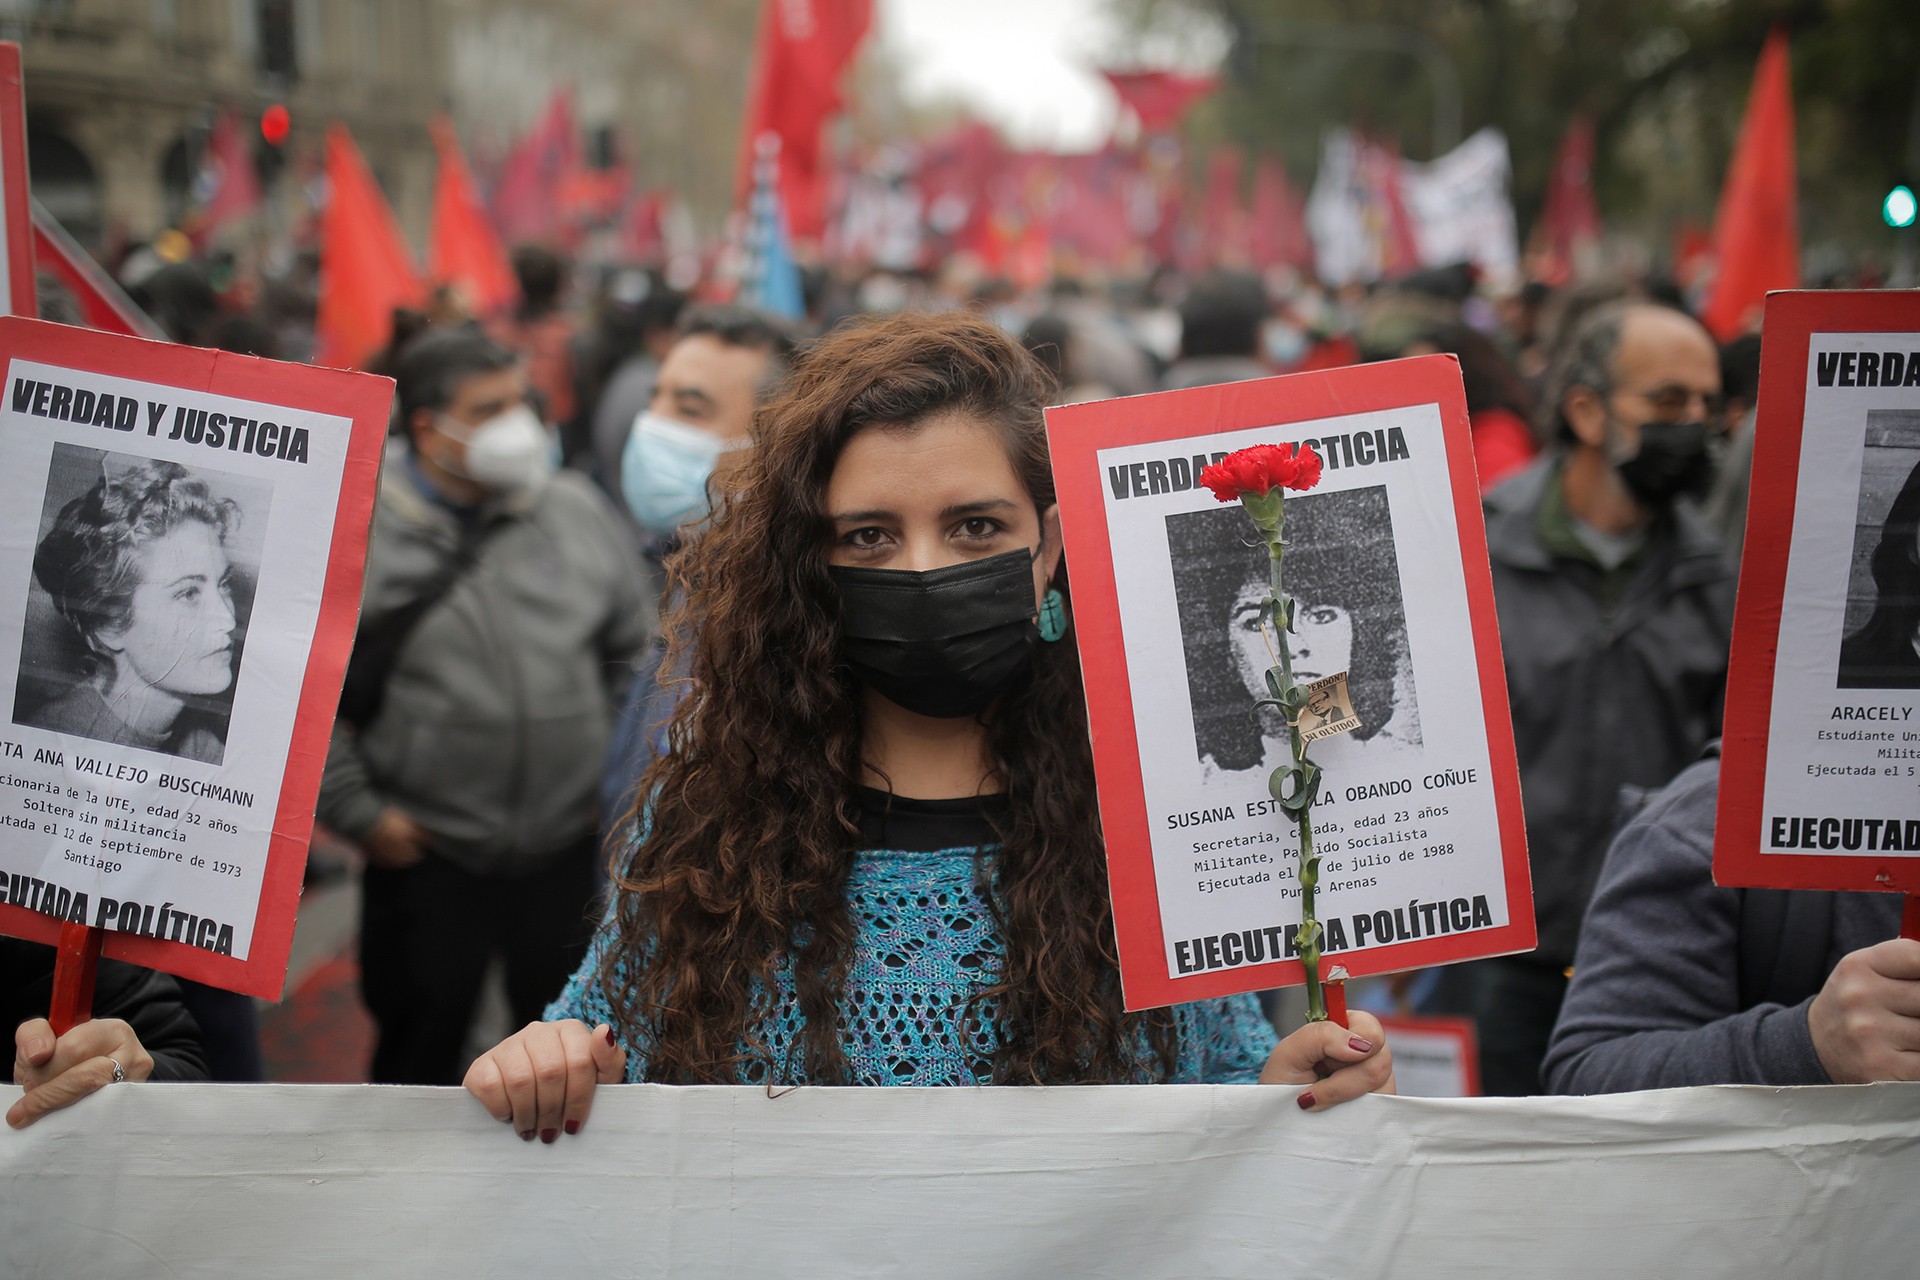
{"x":1344,"y":577}
{"x":1885,"y":653}
{"x":137,"y":568}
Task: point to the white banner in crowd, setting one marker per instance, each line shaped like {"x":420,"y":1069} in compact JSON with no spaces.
{"x":339,"y":1180}
{"x":1456,"y":208}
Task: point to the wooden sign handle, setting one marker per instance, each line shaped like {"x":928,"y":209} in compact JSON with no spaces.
{"x":1336,"y":995}
{"x":74,"y":968}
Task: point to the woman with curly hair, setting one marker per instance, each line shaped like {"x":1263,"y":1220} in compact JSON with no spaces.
{"x":137,"y":566}
{"x":872,"y":854}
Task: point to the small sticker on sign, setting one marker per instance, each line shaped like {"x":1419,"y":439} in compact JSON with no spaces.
{"x":1328,"y":709}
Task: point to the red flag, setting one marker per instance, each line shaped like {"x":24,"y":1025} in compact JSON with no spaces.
{"x":804,"y":47}
{"x":1224,"y":219}
{"x":1279,"y":221}
{"x":1756,"y":231}
{"x":464,"y":250}
{"x":1569,"y":226}
{"x":102,"y":305}
{"x":1161,"y":99}
{"x":365,"y":269}
{"x":524,"y":207}
{"x":227,"y":187}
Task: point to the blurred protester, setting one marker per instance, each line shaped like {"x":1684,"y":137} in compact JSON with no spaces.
{"x":1499,"y":407}
{"x":1050,"y":339}
{"x":1522,"y":319}
{"x":694,"y":430}
{"x":1220,"y":320}
{"x":1680,"y":982}
{"x":501,"y":618}
{"x":621,"y":362}
{"x":140,"y":1031}
{"x":180,"y":298}
{"x":1615,"y":611}
{"x":540,"y":331}
{"x":1726,"y":504}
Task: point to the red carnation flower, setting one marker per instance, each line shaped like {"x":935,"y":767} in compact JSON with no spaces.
{"x":1259,"y":469}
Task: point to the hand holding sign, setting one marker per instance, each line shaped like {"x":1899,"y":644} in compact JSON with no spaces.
{"x":1865,"y":1022}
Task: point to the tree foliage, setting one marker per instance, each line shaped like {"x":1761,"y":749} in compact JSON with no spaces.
{"x":1665,"y":81}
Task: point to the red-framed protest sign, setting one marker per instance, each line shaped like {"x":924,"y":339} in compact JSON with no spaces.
{"x":1820,"y":780}
{"x":182,"y":539}
{"x":17,"y":294}
{"x":1433,"y":1057}
{"x":1419,"y":820}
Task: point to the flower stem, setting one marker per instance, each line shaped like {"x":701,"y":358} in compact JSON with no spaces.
{"x":1307,"y":936}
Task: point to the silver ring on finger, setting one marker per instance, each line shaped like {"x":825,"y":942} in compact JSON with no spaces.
{"x":118,"y":1074}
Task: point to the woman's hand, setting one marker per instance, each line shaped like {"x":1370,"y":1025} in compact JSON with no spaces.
{"x":1339,"y":1062}
{"x":58,"y":1071}
{"x":541,"y":1078}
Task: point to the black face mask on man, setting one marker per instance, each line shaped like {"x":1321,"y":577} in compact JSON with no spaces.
{"x":940,"y":642}
{"x":1674,"y":460}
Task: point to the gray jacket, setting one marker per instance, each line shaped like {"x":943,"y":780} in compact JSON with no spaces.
{"x":1659,"y":1000}
{"x":499,"y":704}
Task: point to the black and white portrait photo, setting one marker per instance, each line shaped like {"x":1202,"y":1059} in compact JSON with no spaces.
{"x":143,"y":580}
{"x":1881,"y":645}
{"x":1343,"y":573}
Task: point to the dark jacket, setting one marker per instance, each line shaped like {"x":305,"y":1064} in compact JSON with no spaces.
{"x":148,"y":1002}
{"x":1616,"y":681}
{"x":1680,"y":982}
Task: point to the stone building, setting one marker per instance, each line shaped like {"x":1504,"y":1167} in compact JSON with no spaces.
{"x":121,"y":94}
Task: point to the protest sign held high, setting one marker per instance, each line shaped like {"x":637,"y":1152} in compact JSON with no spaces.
{"x":1418,"y":814}
{"x":182,"y":534}
{"x":1821,"y":780}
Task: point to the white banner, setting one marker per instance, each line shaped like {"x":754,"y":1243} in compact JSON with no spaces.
{"x":306,"y":1180}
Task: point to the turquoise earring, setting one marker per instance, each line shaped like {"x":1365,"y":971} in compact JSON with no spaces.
{"x":1053,"y":615}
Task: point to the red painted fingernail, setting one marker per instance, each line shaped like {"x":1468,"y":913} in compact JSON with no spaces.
{"x":1360,"y":1044}
{"x":549,"y":1135}
{"x":573,"y":1127}
{"x":526,"y":1135}
{"x":611,"y":1042}
{"x":1306,"y":1102}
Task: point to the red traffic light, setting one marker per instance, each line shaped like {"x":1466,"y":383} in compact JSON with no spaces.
{"x":275,"y":124}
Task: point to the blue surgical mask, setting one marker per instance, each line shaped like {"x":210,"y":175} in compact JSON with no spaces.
{"x":664,"y":472}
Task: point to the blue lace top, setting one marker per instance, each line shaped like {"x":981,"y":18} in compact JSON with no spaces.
{"x":925,"y":942}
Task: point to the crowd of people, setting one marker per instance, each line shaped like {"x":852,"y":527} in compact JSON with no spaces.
{"x":716,"y":676}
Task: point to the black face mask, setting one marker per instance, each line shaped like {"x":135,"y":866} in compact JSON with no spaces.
{"x":939,"y":642}
{"x":1674,"y":461}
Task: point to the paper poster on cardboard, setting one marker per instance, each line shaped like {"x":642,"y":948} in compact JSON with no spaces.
{"x":181,"y":538}
{"x":1418,"y":817}
{"x":1821,"y":771}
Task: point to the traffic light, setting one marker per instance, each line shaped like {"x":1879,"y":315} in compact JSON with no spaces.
{"x":269,"y":154}
{"x":1900,"y":207}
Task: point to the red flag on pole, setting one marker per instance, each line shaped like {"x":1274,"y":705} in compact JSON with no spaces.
{"x":227,"y":187}
{"x":102,"y":305}
{"x":365,"y":269}
{"x":1569,"y":226}
{"x":1756,"y":231}
{"x":805,"y":46}
{"x":525,"y":206}
{"x":1279,"y":221}
{"x":464,"y":250}
{"x":1161,"y":99}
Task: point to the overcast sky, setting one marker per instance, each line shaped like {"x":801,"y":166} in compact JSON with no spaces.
{"x":1025,"y":65}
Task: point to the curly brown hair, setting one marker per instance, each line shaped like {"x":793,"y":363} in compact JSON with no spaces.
{"x":751,"y":817}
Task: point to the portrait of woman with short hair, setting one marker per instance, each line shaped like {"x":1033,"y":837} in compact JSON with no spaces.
{"x":137,"y":567}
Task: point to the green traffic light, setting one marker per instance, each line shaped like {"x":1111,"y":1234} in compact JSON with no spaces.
{"x":1899,"y":207}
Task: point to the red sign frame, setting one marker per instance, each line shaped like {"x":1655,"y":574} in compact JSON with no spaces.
{"x":363,"y":398}
{"x":15,"y":218}
{"x":1790,"y":322}
{"x":1076,"y":434}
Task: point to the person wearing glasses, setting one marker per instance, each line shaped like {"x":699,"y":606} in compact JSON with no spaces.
{"x":1615,"y":607}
